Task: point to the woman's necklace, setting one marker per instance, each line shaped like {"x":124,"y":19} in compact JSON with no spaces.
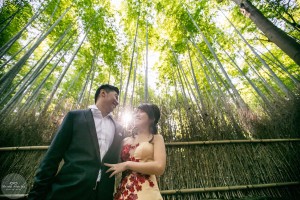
{"x":140,"y":139}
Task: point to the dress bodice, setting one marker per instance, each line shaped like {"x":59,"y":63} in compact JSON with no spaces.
{"x":135,"y":185}
{"x":140,"y":152}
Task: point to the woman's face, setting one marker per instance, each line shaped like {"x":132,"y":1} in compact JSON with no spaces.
{"x":141,"y":119}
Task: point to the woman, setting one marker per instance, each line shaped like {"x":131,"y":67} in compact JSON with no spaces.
{"x":143,"y":158}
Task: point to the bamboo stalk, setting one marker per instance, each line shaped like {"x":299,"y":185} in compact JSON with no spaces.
{"x":227,"y":188}
{"x":172,"y":143}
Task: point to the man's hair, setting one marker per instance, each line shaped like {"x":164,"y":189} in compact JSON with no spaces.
{"x":107,"y":88}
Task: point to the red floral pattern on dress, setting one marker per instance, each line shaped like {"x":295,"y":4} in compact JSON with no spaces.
{"x":125,"y":191}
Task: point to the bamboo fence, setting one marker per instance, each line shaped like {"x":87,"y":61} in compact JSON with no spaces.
{"x":223,"y":169}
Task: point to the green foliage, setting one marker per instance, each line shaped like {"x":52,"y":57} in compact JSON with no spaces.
{"x":195,"y":106}
{"x":14,"y":15}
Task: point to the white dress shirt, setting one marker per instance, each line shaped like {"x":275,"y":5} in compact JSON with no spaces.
{"x":105,"y":129}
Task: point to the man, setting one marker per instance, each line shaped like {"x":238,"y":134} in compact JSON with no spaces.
{"x":85,"y":141}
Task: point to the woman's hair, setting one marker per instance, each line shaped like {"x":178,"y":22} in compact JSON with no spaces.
{"x":153,"y":113}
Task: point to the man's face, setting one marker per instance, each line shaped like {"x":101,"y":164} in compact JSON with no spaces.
{"x":111,"y":100}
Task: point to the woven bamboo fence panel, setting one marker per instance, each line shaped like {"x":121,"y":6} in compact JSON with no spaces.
{"x":204,"y":170}
{"x":217,"y":166}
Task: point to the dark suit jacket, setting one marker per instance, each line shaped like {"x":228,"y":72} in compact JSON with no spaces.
{"x":77,"y":144}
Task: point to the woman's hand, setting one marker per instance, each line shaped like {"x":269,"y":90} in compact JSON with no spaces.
{"x":116,"y":168}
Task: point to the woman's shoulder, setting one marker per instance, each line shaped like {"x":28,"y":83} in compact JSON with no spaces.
{"x":158,"y":137}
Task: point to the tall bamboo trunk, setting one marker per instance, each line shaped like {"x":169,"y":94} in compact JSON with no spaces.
{"x":146,"y":68}
{"x":131,"y":62}
{"x":62,"y":99}
{"x":15,"y":54}
{"x":185,"y":103}
{"x":121,"y":85}
{"x":275,"y":34}
{"x":55,"y":87}
{"x":10,"y":18}
{"x":204,"y":110}
{"x":95,"y":58}
{"x":281,"y":65}
{"x":8,"y":77}
{"x":9,"y":43}
{"x":30,"y":77}
{"x":235,"y":96}
{"x":257,"y":90}
{"x":29,"y":83}
{"x":178,"y":106}
{"x":134,"y":79}
{"x":241,"y":102}
{"x":90,"y":80}
{"x":268,"y":87}
{"x":81,"y":95}
{"x":184,"y":81}
{"x":34,"y":38}
{"x":281,"y":85}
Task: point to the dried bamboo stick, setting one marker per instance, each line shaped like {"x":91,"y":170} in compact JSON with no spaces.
{"x":232,"y":141}
{"x":211,"y":189}
{"x":24,"y":148}
{"x":13,"y":196}
{"x":173,"y":143}
{"x":227,"y":188}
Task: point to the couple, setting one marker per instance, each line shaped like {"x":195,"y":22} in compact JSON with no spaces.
{"x":91,"y":144}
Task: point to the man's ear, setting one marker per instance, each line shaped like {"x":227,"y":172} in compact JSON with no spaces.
{"x":102,"y":93}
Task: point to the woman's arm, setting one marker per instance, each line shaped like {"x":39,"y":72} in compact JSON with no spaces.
{"x":156,"y":167}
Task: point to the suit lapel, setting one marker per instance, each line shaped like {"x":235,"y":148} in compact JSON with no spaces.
{"x":92,"y":130}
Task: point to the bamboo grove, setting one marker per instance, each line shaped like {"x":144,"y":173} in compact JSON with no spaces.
{"x":219,"y":70}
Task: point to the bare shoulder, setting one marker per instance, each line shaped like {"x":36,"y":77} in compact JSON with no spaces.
{"x":158,"y":138}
